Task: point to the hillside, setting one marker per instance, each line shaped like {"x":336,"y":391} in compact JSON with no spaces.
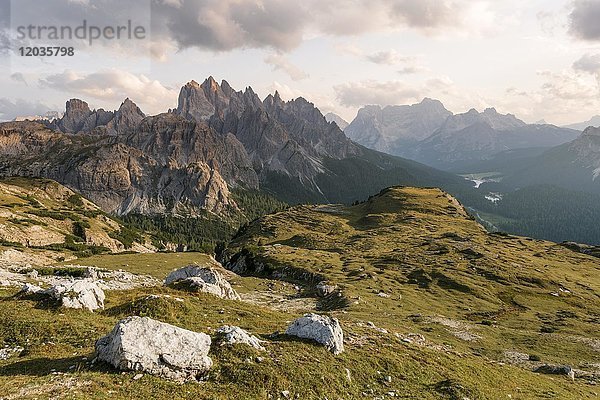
{"x":412,"y":260}
{"x":574,"y":165}
{"x":42,"y":216}
{"x":432,"y":307}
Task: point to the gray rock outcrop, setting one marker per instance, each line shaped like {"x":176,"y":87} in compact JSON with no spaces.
{"x":320,"y":328}
{"x":236,"y":335}
{"x":202,"y":279}
{"x":81,"y":294}
{"x":157,"y":348}
{"x":31,"y":289}
{"x":76,"y":113}
{"x":324,"y":289}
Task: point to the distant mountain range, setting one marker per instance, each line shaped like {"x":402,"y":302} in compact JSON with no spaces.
{"x":428,"y":133}
{"x":190,"y":159}
{"x":394,"y":128}
{"x":594,"y":121}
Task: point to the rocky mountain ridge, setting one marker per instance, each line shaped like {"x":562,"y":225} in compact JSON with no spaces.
{"x":188,"y":160}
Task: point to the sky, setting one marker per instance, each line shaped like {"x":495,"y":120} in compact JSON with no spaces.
{"x":537,"y":59}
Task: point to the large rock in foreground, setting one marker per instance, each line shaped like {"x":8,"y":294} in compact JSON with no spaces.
{"x":80,"y":294}
{"x":320,"y":328}
{"x":143,"y":344}
{"x":202,"y":279}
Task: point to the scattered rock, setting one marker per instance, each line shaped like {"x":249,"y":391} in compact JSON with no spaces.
{"x":30,"y":289}
{"x":516,"y":358}
{"x":375,"y":327}
{"x":8,"y":352}
{"x":554,"y":369}
{"x":471,"y":254}
{"x":78,"y":294}
{"x":157,"y":348}
{"x":234,"y":334}
{"x":202,"y":279}
{"x":322,"y":329}
{"x":324,"y":289}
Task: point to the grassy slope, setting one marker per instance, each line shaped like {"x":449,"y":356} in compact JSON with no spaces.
{"x":40,"y":213}
{"x":406,"y":243}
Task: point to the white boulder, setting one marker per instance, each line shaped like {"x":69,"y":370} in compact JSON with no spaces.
{"x":234,"y":334}
{"x":157,"y":348}
{"x":81,"y":293}
{"x":202,"y":279}
{"x":320,"y":328}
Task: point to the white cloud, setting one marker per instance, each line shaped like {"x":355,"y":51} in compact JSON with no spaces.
{"x":358,"y":94}
{"x":223,"y":25}
{"x":10,"y":109}
{"x":115,"y":85}
{"x":280,"y":63}
{"x":412,"y":69}
{"x":388,"y":57}
{"x":18,"y":77}
{"x":565,"y":85}
{"x":563,"y":97}
{"x":583,"y":20}
{"x":589,"y":63}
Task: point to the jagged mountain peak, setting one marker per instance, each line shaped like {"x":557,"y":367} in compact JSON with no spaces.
{"x":129,"y":105}
{"x":226,"y":88}
{"x":192,"y":83}
{"x":210,"y":82}
{"x":74,"y":104}
{"x":273,"y":101}
{"x":339,"y":121}
{"x":126,"y":118}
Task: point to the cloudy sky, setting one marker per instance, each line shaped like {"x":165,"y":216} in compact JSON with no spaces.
{"x":538,"y":59}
